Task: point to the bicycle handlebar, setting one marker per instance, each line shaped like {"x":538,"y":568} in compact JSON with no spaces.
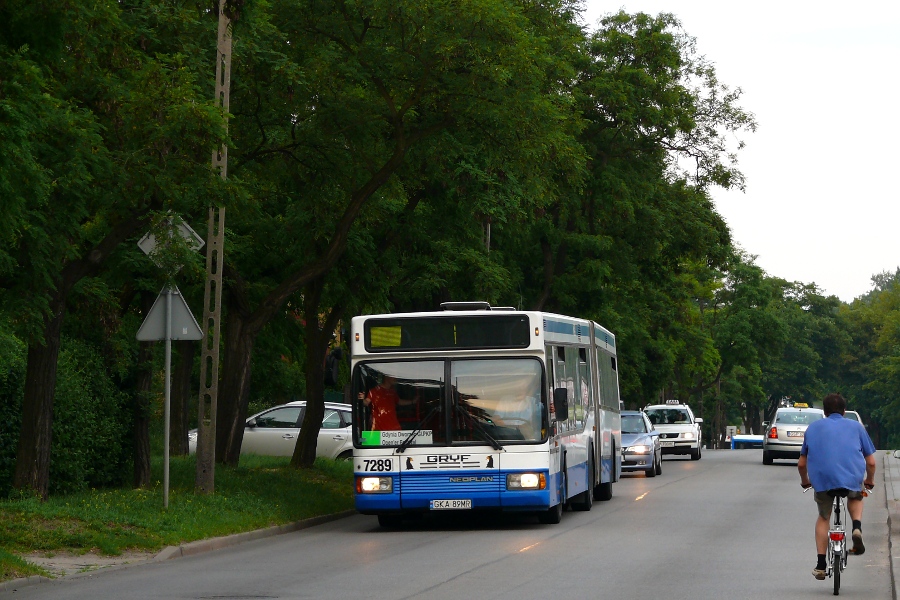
{"x":865,"y":491}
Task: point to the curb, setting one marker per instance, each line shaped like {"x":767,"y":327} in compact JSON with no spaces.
{"x":191,"y":548}
{"x":891,"y":465}
{"x":218,"y":543}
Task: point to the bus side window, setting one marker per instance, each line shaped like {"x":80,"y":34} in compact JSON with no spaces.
{"x":584,"y":373}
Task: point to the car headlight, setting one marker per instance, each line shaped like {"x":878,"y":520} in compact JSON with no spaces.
{"x":192,"y":436}
{"x":638,"y":449}
{"x":526,"y":481}
{"x":688,"y":435}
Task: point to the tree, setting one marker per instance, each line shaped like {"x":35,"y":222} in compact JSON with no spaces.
{"x":129,"y":129}
{"x":380,"y":81}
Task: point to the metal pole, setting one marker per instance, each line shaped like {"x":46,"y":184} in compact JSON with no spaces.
{"x":209,"y":359}
{"x":168,"y":404}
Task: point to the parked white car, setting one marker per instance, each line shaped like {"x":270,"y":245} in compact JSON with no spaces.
{"x":274,"y":432}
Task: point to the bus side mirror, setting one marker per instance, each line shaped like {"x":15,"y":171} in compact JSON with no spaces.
{"x":561,"y":403}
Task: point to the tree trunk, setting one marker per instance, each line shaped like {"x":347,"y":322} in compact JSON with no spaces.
{"x":179,"y":411}
{"x":316,"y":347}
{"x":141,"y":409}
{"x":35,"y":436}
{"x":234,"y":396}
{"x":719,"y":423}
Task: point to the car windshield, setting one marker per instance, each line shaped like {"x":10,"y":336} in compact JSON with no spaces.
{"x":851,"y":415}
{"x":668,"y":416}
{"x":488,"y":401}
{"x":633,"y":424}
{"x":797,"y":418}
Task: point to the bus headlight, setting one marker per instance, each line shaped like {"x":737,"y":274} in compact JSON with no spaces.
{"x":374,"y":485}
{"x":526,"y":481}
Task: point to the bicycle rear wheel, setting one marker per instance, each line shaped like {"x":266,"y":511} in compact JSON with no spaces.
{"x":838,"y":567}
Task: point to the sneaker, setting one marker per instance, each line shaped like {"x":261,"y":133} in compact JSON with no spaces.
{"x":819,"y":573}
{"x":858,"y":546}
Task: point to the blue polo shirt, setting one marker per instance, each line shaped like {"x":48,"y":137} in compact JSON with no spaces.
{"x":836,"y":449}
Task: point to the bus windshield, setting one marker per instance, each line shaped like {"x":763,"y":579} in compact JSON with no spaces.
{"x":487,"y":401}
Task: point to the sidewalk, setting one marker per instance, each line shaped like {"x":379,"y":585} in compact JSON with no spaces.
{"x":891,"y":466}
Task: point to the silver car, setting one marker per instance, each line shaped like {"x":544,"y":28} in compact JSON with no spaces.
{"x":274,"y":432}
{"x":641,"y":450}
{"x":783,"y":437}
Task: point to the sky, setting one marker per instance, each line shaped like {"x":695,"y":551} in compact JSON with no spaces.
{"x":823,"y":80}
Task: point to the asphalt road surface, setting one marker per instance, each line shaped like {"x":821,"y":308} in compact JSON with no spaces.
{"x":724,"y":527}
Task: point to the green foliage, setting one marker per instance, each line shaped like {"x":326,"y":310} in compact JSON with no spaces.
{"x":12,"y":382}
{"x":870,"y":363}
{"x":396,"y":154}
{"x":261,"y":492}
{"x":14,"y":567}
{"x":278,"y":375}
{"x":91,"y":426}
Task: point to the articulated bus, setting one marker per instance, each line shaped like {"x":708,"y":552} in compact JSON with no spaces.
{"x":480,"y":408}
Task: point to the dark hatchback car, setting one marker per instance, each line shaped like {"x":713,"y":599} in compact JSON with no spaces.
{"x":641,"y":449}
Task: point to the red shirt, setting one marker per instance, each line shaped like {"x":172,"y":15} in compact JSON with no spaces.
{"x":384,"y":409}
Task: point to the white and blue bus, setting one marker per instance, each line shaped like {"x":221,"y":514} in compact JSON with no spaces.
{"x":480,"y":408}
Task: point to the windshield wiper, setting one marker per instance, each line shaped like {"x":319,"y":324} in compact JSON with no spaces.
{"x":480,"y":429}
{"x":412,"y":436}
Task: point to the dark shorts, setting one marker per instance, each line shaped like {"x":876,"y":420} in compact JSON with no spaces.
{"x":825,"y":502}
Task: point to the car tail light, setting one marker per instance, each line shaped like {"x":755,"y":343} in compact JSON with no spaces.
{"x":773,"y":434}
{"x":836,"y":536}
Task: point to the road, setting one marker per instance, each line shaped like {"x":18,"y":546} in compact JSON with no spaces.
{"x":722,"y":527}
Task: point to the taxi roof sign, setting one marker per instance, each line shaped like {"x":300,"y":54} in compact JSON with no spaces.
{"x":801,"y":405}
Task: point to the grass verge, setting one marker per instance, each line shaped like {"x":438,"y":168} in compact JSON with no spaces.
{"x":261,"y":492}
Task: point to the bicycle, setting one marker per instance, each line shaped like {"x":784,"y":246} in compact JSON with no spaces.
{"x":836,"y":552}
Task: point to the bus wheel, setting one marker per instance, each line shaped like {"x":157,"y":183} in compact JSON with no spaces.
{"x":604,"y":491}
{"x":553,"y":515}
{"x":585,"y":500}
{"x":390,"y":521}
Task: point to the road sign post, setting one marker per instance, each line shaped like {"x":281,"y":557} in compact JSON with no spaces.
{"x":169,"y":319}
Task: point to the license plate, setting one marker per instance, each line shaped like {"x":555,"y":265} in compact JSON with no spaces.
{"x":450,"y":504}
{"x":667,"y":444}
{"x":795,"y":433}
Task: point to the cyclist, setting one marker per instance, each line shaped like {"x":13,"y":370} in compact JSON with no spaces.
{"x":836,"y":453}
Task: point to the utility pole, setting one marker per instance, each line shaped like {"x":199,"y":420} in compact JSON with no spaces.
{"x":209,"y":359}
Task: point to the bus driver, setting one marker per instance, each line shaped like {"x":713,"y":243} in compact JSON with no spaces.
{"x":383,"y":399}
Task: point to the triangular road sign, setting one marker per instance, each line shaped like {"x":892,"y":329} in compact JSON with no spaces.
{"x":184,"y":325}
